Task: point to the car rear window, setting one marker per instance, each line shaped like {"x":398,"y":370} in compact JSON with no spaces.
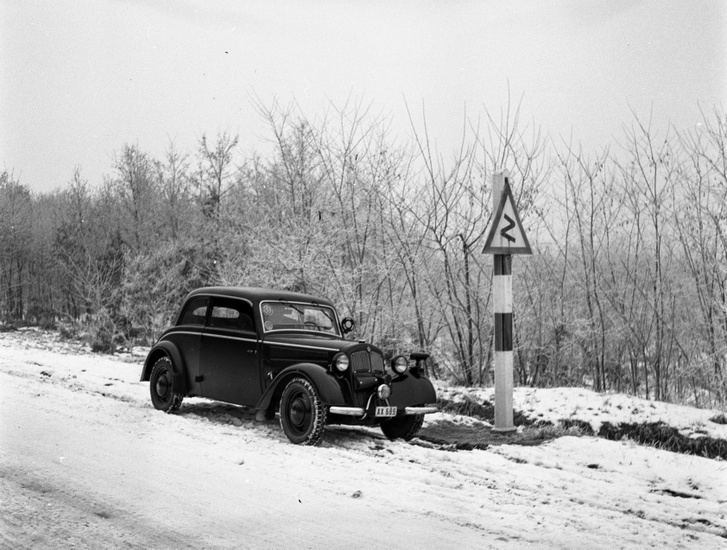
{"x":231,"y":314}
{"x":195,"y":312}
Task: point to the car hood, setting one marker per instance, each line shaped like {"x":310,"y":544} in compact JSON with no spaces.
{"x":314,"y":341}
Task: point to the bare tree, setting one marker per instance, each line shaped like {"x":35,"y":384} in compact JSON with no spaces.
{"x":134,"y":186}
{"x":649,"y":177}
{"x":216,"y":171}
{"x":174,"y":183}
{"x":700,"y":222}
{"x":15,"y":239}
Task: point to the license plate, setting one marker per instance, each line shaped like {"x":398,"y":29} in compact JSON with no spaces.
{"x":385,"y":411}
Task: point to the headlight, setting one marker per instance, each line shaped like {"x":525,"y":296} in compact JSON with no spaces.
{"x":399,"y":364}
{"x":383,"y":391}
{"x":341,"y":361}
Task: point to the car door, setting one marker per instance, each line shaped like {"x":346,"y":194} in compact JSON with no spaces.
{"x":186,"y":335}
{"x":229,"y":353}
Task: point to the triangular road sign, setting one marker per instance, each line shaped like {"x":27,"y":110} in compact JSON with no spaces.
{"x":506,"y":235}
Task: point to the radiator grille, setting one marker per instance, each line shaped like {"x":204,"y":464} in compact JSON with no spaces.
{"x":377,"y":362}
{"x":363,"y":361}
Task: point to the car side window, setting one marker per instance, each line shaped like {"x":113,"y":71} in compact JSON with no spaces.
{"x":232,"y":314}
{"x":195,"y":312}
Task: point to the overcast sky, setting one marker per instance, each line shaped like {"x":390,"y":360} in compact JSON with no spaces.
{"x":81,"y":78}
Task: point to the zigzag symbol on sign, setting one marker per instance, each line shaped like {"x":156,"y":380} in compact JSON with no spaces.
{"x":504,"y":230}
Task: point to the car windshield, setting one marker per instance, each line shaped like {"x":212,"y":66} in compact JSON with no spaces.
{"x":299,"y":316}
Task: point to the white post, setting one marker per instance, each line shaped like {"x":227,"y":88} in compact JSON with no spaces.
{"x":502,"y":309}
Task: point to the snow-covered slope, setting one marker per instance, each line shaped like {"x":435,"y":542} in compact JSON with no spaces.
{"x":85,"y":461}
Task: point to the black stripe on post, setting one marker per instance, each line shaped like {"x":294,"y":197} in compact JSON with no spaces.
{"x":503,"y":264}
{"x":503,"y":331}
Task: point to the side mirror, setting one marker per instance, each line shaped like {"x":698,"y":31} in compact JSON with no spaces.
{"x":347,"y":324}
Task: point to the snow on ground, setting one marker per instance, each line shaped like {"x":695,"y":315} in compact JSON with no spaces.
{"x":221,"y":480}
{"x":556,"y":404}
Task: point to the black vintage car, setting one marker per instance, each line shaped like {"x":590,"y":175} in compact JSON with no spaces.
{"x":284,"y":351}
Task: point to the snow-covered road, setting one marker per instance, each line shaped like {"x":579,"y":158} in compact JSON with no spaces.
{"x":86,"y":462}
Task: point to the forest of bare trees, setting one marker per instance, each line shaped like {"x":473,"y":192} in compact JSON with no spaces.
{"x":626,"y":290}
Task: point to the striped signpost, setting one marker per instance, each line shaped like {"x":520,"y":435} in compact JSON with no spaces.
{"x":505,"y":238}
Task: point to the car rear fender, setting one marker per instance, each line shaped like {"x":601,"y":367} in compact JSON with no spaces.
{"x":328,"y":386}
{"x":169,"y":350}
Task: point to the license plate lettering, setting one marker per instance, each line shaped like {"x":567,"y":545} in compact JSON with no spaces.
{"x":385,"y":411}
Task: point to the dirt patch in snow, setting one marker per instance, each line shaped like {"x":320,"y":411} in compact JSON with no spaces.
{"x":451,"y":435}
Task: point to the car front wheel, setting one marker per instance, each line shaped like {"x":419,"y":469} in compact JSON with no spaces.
{"x":302,"y":413}
{"x":404,"y":427}
{"x":160,"y":387}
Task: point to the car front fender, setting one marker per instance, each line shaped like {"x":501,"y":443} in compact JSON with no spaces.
{"x":328,"y":386}
{"x":410,"y":390}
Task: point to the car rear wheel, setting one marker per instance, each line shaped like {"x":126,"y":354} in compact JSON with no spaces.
{"x":302,"y":413}
{"x":404,"y":427}
{"x":160,"y":386}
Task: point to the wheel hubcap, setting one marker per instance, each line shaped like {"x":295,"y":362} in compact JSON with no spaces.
{"x":163,"y":385}
{"x":299,"y":412}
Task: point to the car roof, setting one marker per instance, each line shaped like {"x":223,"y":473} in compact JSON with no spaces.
{"x":257,"y":294}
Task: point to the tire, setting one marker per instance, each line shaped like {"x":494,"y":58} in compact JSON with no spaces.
{"x":403,"y":427}
{"x":302,"y":413}
{"x":160,"y":387}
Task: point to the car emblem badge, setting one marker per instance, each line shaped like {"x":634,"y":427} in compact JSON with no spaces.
{"x":368,"y":348}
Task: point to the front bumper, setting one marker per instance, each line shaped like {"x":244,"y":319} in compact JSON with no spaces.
{"x":429,"y":409}
{"x":359,"y":411}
